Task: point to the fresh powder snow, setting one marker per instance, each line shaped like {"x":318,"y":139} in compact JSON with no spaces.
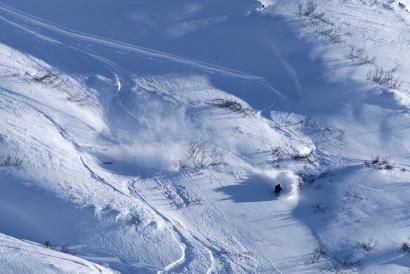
{"x":150,"y":136}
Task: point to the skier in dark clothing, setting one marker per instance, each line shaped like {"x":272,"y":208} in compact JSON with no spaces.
{"x":278,"y":189}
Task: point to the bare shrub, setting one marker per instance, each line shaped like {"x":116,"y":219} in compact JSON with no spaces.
{"x":134,"y":220}
{"x":405,"y":247}
{"x":65,"y":249}
{"x":280,"y":159}
{"x":386,"y":78}
{"x":343,"y":264}
{"x":77,"y":98}
{"x":12,"y":162}
{"x":311,"y":12}
{"x":46,"y":77}
{"x":329,"y":34}
{"x":301,"y":183}
{"x":318,"y":253}
{"x":379,"y":163}
{"x":353,"y":195}
{"x":358,"y":56}
{"x":44,"y":73}
{"x":367,"y":246}
{"x":277,"y":156}
{"x":42,"y":78}
{"x":47,"y":244}
{"x":230,"y":104}
{"x":201,"y":157}
{"x":305,"y":157}
{"x":307,"y":10}
{"x":318,"y":208}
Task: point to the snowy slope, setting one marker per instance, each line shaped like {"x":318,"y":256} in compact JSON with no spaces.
{"x":148,"y":136}
{"x":27,"y":257}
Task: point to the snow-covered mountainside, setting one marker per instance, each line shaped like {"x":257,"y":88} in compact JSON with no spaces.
{"x":148,"y":136}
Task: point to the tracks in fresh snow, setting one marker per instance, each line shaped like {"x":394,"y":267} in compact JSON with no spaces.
{"x":28,"y":22}
{"x":81,"y":42}
{"x":198,"y":253}
{"x":192,"y":250}
{"x":219,"y":254}
{"x":190,"y":246}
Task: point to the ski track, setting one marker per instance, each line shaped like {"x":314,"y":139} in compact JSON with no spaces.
{"x":61,"y":131}
{"x":80,"y":262}
{"x":121,"y":77}
{"x":187,"y":248}
{"x":186,"y":244}
{"x":215,"y":246}
{"x":195,"y":248}
{"x":189,"y":244}
{"x":95,"y":176}
{"x":85,"y":38}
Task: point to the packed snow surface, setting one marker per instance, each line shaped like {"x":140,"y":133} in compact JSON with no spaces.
{"x":148,"y":136}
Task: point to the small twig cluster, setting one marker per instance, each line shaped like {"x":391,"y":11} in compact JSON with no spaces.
{"x":318,"y":208}
{"x":318,"y":253}
{"x":312,"y":13}
{"x":309,"y":10}
{"x":380,"y":164}
{"x":358,"y":56}
{"x":320,"y":21}
{"x":280,"y":158}
{"x":385,"y":77}
{"x":201,"y":157}
{"x":343,"y":264}
{"x":12,"y":162}
{"x":328,"y":33}
{"x":64,"y":248}
{"x":367,"y":246}
{"x":325,"y":27}
{"x":305,"y":157}
{"x":405,"y":247}
{"x":46,"y":77}
{"x":351,"y":194}
{"x":230,"y":104}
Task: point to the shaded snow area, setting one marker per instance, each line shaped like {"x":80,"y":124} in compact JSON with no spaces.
{"x":149,"y":136}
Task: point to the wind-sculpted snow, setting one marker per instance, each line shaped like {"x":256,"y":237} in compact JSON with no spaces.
{"x":149,"y":137}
